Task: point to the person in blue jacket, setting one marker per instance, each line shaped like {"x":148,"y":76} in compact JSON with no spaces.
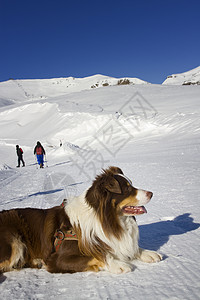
{"x":39,"y":152}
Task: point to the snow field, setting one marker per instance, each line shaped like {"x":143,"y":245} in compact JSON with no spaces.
{"x":152,"y":133}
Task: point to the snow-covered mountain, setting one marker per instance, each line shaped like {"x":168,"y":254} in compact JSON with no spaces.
{"x":191,"y":77}
{"x":37,"y":89}
{"x":150,"y":131}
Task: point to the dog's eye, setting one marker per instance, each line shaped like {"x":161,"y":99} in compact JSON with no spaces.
{"x":128,"y":188}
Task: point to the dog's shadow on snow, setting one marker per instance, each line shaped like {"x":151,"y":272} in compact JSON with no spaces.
{"x":155,"y":235}
{"x":2,"y":278}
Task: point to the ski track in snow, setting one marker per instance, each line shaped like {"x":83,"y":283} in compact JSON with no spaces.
{"x":160,"y":152}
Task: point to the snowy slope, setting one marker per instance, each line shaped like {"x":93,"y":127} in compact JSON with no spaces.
{"x":37,"y":89}
{"x":152,"y":132}
{"x":191,"y":77}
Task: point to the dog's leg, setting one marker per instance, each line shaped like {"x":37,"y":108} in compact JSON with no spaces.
{"x":36,"y":263}
{"x":148,"y":256}
{"x":11,"y":253}
{"x":95,"y":265}
{"x":5,"y":255}
{"x":62,"y":263}
{"x":116,"y":266}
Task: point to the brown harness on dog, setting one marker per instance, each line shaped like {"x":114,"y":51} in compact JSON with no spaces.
{"x":63,"y":234}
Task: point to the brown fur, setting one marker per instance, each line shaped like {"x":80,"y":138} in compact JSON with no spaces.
{"x":26,"y":240}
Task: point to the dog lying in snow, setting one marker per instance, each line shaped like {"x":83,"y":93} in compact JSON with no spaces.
{"x":92,"y":232}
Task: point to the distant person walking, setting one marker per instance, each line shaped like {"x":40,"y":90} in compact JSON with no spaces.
{"x":20,"y":156}
{"x":39,"y":152}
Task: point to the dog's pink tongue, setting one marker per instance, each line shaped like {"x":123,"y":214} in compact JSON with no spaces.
{"x":135,"y":210}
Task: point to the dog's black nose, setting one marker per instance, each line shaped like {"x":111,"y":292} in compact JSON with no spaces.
{"x":149,"y":195}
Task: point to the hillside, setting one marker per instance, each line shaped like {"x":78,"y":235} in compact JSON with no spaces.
{"x":38,"y":89}
{"x":191,"y":77}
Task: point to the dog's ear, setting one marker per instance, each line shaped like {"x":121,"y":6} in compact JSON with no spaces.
{"x":113,"y":170}
{"x":112,"y":185}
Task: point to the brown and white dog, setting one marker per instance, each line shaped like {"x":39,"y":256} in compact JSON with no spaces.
{"x":103,"y":231}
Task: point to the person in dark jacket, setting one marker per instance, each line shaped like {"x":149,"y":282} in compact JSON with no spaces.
{"x":20,"y":156}
{"x":39,"y":152}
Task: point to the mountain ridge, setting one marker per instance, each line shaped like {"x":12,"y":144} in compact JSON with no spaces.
{"x":191,"y":77}
{"x":37,"y":89}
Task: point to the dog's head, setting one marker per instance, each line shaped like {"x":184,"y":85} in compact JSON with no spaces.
{"x":112,"y":196}
{"x":114,"y":190}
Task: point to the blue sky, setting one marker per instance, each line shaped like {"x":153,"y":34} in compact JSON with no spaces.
{"x":148,"y":39}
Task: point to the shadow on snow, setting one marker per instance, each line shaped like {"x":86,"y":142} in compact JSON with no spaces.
{"x":47,"y":192}
{"x":155,"y":235}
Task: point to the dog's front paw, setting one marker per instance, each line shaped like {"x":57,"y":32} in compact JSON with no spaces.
{"x":149,"y":256}
{"x":117,"y":267}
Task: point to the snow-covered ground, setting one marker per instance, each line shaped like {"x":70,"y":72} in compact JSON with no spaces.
{"x":152,"y":132}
